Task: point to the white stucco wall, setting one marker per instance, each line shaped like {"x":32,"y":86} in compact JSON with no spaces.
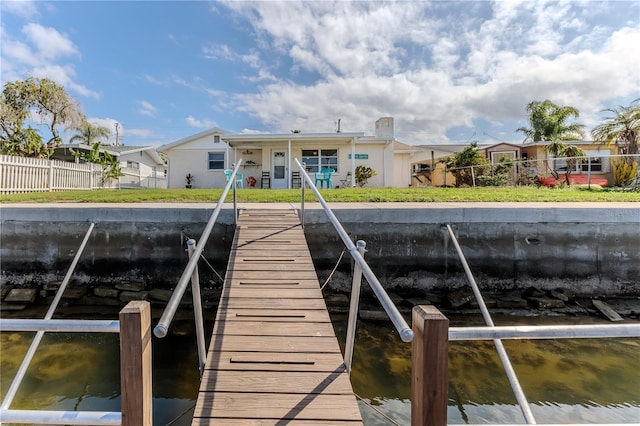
{"x":193,"y":157}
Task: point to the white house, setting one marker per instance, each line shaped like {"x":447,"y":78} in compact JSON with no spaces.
{"x":268,"y":159}
{"x":142,"y":166}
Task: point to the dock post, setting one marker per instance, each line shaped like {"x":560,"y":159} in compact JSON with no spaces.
{"x":429,"y":367}
{"x":135,"y":364}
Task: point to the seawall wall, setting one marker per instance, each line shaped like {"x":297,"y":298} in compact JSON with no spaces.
{"x":594,"y":248}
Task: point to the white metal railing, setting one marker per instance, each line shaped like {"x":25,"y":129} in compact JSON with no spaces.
{"x":502,"y":353}
{"x":21,"y":174}
{"x":491,"y":332}
{"x":190,"y":273}
{"x":406,"y":333}
{"x":135,"y":360}
{"x":11,"y":393}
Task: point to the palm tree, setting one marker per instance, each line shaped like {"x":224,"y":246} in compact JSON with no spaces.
{"x":89,"y":134}
{"x":622,"y":129}
{"x":549,"y":122}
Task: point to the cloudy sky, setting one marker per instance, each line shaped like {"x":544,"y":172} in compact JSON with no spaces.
{"x":447,"y":71}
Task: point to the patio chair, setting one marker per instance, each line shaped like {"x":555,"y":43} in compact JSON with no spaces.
{"x":296,"y":180}
{"x":239,"y":178}
{"x":324,"y":177}
{"x":265,"y":180}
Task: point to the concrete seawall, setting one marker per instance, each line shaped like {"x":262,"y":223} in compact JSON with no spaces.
{"x":593,"y":247}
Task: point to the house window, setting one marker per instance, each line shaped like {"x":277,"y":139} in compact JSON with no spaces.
{"x":216,"y":161}
{"x":599,"y":162}
{"x":133,"y":165}
{"x":316,"y":159}
{"x":216,"y":139}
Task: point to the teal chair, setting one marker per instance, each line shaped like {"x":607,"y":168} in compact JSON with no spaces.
{"x":239,"y":178}
{"x":324,"y":177}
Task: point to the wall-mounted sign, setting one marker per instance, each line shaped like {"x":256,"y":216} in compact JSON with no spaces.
{"x":360,"y":156}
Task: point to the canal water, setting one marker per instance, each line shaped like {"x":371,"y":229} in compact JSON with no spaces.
{"x":566,"y":381}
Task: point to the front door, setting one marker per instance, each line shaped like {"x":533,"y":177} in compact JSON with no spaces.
{"x":279,"y":170}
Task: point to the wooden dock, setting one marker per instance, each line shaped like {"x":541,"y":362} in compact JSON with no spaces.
{"x":273,"y":357}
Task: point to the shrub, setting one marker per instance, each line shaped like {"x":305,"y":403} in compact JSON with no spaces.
{"x":363,"y":174}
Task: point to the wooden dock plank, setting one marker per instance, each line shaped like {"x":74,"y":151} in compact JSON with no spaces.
{"x":269,"y":344}
{"x":273,"y":357}
{"x":278,"y":315}
{"x":244,"y":405}
{"x":276,"y":382}
{"x":248,"y":303}
{"x":271,"y":328}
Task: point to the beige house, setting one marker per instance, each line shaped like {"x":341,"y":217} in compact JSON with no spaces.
{"x":428,"y":171}
{"x":268,"y":160}
{"x":598,"y":161}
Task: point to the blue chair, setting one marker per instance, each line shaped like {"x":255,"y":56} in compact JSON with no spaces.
{"x":239,"y":178}
{"x":324,"y":176}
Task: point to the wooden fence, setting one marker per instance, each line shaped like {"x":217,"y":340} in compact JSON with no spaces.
{"x":20,"y":174}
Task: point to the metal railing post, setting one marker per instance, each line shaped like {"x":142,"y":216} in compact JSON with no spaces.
{"x":17,"y":380}
{"x":304,"y":183}
{"x":353,"y":308}
{"x":502,"y":353}
{"x":197,"y":310}
{"x":235,"y":199}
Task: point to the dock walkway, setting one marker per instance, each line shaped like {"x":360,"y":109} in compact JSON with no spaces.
{"x":273,"y":357}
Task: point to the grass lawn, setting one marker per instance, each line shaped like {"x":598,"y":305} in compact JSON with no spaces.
{"x":502,"y":194}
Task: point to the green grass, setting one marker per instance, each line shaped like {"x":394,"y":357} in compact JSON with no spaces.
{"x":506,"y":194}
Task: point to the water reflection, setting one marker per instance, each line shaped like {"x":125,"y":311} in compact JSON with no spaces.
{"x":567,"y":381}
{"x":72,"y":372}
{"x":579,"y":380}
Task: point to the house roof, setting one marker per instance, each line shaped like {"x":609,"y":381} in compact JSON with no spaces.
{"x":210,"y":132}
{"x":150,"y":150}
{"x":401,"y":147}
{"x":115,"y":151}
{"x":235,"y":140}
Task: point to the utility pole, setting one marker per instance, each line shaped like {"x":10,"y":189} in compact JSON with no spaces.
{"x":117,"y":126}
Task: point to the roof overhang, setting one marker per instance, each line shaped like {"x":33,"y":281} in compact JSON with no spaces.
{"x":256,"y":140}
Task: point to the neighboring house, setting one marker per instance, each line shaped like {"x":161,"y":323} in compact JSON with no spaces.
{"x":142,"y":166}
{"x":427,"y":171}
{"x":207,"y":154}
{"x":598,"y":162}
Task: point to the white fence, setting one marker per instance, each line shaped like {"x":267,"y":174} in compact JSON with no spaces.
{"x":20,"y":174}
{"x":133,"y":178}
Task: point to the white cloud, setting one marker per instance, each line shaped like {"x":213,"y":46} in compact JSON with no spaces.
{"x":41,"y":54}
{"x":49,"y":43}
{"x":22,"y":8}
{"x":434,"y":66}
{"x":147,"y":109}
{"x":204,"y":124}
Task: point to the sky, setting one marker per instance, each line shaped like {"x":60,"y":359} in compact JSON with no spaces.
{"x":447,"y":71}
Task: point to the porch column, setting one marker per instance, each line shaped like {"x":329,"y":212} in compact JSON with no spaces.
{"x":353,"y":162}
{"x":289,"y":164}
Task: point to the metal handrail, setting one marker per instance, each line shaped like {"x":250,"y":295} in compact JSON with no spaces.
{"x":102,"y":418}
{"x":522,"y":332}
{"x":61,"y":326}
{"x":161,"y":329}
{"x":502,"y":353}
{"x":406,"y":334}
{"x":17,"y":380}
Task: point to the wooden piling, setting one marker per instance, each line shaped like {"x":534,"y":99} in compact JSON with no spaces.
{"x":429,"y":367}
{"x":135,"y":364}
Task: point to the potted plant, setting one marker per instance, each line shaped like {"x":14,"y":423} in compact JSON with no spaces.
{"x":189,"y":179}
